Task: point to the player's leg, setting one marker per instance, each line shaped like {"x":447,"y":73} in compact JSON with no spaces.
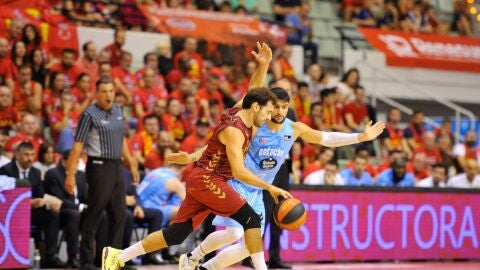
{"x":227,"y":257}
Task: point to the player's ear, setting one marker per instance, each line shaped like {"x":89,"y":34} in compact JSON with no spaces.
{"x":256,"y":107}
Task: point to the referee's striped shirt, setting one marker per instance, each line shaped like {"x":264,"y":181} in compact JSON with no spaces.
{"x":101,"y":131}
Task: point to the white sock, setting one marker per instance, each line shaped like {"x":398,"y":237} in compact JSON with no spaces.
{"x":227,"y":257}
{"x":217,"y":240}
{"x":259,"y":261}
{"x":131,"y":252}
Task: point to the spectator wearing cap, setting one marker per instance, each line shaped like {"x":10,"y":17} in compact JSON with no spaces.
{"x":27,"y":133}
{"x":150,"y":61}
{"x":143,"y":142}
{"x":397,"y":176}
{"x":88,"y":63}
{"x":9,"y":116}
{"x":197,"y":139}
{"x":144,"y":98}
{"x":68,"y":67}
{"x":116,"y":48}
{"x":124,"y":80}
{"x":193,"y":60}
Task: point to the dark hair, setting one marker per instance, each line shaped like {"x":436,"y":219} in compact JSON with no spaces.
{"x":358,"y":87}
{"x":80,"y":76}
{"x":441,"y":165}
{"x":359,"y":157}
{"x":103,"y":80}
{"x":398,"y":161}
{"x":85,"y":45}
{"x":125,"y":53}
{"x":43,"y":150}
{"x":302,"y":84}
{"x":361,"y":147}
{"x":36,"y":40}
{"x":66,"y":155}
{"x":333,"y":162}
{"x":417,"y":112}
{"x":24,"y":66}
{"x":13,"y":51}
{"x":350,"y":71}
{"x":52,"y":77}
{"x":24,"y":146}
{"x":149,"y":116}
{"x":104,"y":63}
{"x":260,"y":95}
{"x":32,"y":54}
{"x":315,"y":104}
{"x":213,"y":102}
{"x":281,"y":94}
{"x":68,"y":50}
{"x":145,"y":57}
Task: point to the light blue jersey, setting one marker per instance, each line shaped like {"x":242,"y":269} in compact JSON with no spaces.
{"x":268,"y":150}
{"x":153,"y":194}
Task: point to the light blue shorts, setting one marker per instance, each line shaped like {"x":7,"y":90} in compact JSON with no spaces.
{"x":254,"y":198}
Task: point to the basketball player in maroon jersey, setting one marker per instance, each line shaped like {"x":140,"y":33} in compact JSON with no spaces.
{"x":207,"y":188}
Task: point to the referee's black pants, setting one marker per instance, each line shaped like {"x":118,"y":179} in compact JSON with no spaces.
{"x":282,"y":181}
{"x":106,"y":191}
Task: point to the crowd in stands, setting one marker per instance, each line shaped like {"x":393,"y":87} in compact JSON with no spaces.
{"x":412,"y":16}
{"x":172,"y":103}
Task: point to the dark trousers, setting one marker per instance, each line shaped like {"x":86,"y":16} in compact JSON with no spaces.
{"x":70,"y":224}
{"x":47,"y":222}
{"x":281,"y":181}
{"x":153,"y":218}
{"x":106,"y":191}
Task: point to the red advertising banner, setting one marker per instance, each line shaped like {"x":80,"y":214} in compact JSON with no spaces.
{"x":15,"y":228}
{"x":215,"y":26}
{"x":370,"y":225}
{"x":426,"y":51}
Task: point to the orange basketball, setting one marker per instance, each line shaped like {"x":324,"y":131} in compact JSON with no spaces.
{"x":290,"y":214}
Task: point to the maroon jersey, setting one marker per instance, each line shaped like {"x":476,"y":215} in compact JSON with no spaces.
{"x":215,"y":158}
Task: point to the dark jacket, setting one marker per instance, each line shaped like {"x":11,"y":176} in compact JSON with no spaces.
{"x":54,"y":184}
{"x":34,"y":177}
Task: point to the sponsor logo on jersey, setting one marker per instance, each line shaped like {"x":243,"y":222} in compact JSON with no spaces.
{"x":268,"y":163}
{"x":271,"y":152}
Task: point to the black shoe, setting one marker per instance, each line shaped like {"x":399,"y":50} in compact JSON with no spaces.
{"x":278,"y":265}
{"x":88,"y":267}
{"x":248,"y":262}
{"x":53,"y":263}
{"x":73,"y":263}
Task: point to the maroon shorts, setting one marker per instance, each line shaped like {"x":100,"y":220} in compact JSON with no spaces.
{"x":207,"y":193}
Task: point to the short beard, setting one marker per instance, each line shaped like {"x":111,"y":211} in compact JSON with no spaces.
{"x":278,"y":122}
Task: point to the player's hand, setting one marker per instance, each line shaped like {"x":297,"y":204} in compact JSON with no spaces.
{"x":278,"y":192}
{"x":135,"y":174}
{"x":371,"y":132}
{"x":264,"y":54}
{"x":181,"y":158}
{"x":70,"y":183}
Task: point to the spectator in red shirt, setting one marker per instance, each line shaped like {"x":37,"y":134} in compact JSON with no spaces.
{"x":32,"y":39}
{"x":190,"y":114}
{"x":210,"y":91}
{"x":68,"y":68}
{"x":281,"y":67}
{"x":150,"y":61}
{"x":190,"y":56}
{"x":51,"y":95}
{"x":62,"y":123}
{"x":144,"y":98}
{"x":356,"y":112}
{"x":123,"y":79}
{"x":173,"y":121}
{"x":197,"y":139}
{"x":324,"y":157}
{"x":88,"y":63}
{"x":302,"y":101}
{"x":9,"y":115}
{"x":159,"y":110}
{"x":27,"y":93}
{"x":157,"y":156}
{"x":82,"y":92}
{"x":362,"y":151}
{"x":185,"y":88}
{"x":115,"y":49}
{"x":415,"y":130}
{"x":445,"y":129}
{"x":27,"y":133}
{"x":419,"y":167}
{"x":145,"y":141}
{"x":105,"y":70}
{"x":6,"y":76}
{"x":392,"y":137}
{"x":429,"y":148}
{"x":14,"y":32}
{"x":332,"y":111}
{"x":315,"y":120}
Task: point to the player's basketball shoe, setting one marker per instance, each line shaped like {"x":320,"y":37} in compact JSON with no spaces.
{"x":110,"y":259}
{"x":185,"y":262}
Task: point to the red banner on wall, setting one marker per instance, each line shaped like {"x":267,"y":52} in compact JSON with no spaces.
{"x":214,"y":26}
{"x":426,"y":51}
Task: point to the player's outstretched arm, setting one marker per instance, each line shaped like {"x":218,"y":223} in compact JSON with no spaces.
{"x":233,"y":140}
{"x":183,"y":158}
{"x":263,"y":58}
{"x":336,"y":139}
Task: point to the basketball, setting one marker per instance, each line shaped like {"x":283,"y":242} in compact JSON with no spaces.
{"x":290,"y":214}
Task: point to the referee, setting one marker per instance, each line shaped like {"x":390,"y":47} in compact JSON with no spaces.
{"x":101,"y":131}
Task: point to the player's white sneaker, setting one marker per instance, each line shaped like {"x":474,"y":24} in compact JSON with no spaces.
{"x":185,"y":262}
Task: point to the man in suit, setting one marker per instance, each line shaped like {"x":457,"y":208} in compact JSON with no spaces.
{"x":72,"y":206}
{"x":45,"y":209}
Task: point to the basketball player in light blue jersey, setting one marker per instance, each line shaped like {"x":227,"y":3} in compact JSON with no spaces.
{"x":268,"y":150}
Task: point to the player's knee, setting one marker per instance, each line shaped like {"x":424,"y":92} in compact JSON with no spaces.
{"x":234,"y":233}
{"x":176,"y":233}
{"x":247,"y":217}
